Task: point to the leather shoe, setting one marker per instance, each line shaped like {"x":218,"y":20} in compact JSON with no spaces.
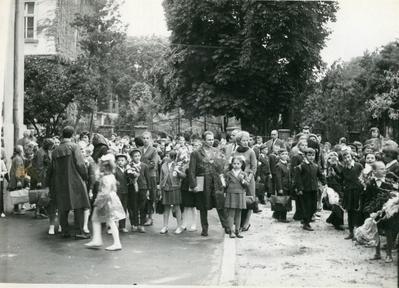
{"x":244,"y":229}
{"x":376,"y":257}
{"x":307,"y":228}
{"x":82,"y":236}
{"x":350,"y":236}
{"x":204,"y":233}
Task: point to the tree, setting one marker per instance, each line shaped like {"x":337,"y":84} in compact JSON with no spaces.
{"x":47,"y":93}
{"x":99,"y":66}
{"x":242,"y":58}
{"x":137,"y":89}
{"x":356,"y":95}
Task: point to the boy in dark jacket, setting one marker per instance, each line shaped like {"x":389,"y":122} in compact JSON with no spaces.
{"x":283,"y":182}
{"x":263,"y":172}
{"x":122,"y":186}
{"x":138,"y":181}
{"x":273,"y":160}
{"x":307,"y":176}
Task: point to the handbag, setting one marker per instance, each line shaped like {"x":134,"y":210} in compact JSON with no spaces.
{"x":19,"y":196}
{"x":159,"y":207}
{"x":39,"y":196}
{"x":280,"y":203}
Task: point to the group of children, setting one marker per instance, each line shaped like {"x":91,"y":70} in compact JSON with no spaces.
{"x":130,"y":182}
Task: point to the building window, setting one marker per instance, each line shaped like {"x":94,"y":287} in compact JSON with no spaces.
{"x":29,"y":20}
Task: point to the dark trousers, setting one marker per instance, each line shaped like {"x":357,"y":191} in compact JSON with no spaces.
{"x":136,"y":206}
{"x":308,"y":204}
{"x":271,"y":186}
{"x":204,"y":220}
{"x":352,"y":220}
{"x":124,"y":200}
{"x":1,"y":197}
{"x":78,"y":221}
{"x":223,"y":217}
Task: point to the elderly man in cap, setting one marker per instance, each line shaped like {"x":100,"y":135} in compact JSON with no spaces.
{"x":67,"y":175}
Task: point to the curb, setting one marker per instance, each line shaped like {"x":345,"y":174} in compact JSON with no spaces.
{"x":227,"y":274}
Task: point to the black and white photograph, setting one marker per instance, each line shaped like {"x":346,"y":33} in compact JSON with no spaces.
{"x":167,"y":143}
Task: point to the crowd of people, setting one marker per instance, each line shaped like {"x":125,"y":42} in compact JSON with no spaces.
{"x":111,"y":180}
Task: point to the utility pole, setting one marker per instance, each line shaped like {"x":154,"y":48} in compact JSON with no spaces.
{"x":18,"y":105}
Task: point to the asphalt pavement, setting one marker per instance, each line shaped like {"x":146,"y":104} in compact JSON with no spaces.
{"x":29,"y":255}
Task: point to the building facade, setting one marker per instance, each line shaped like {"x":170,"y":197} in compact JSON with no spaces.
{"x":48,"y":27}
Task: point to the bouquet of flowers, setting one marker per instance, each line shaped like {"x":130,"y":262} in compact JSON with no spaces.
{"x":133,"y":173}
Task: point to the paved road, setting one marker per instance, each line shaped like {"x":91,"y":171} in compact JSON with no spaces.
{"x":272,"y":254}
{"x":29,"y":255}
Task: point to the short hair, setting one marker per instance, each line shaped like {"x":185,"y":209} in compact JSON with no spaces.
{"x":134,"y":151}
{"x":84,"y":133}
{"x":346,"y":152}
{"x":374,"y":129}
{"x":138,"y":141}
{"x":370,"y":153}
{"x":274,"y":131}
{"x":282,"y":150}
{"x":236,"y":131}
{"x":206,"y":133}
{"x":67,"y":132}
{"x":148,"y":133}
{"x":376,"y":164}
{"x":241,"y":135}
{"x":310,"y":151}
{"x":342,"y":140}
{"x":241,"y":159}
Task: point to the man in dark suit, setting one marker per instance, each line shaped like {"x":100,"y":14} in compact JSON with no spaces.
{"x":149,"y":156}
{"x":274,"y":141}
{"x":138,"y":179}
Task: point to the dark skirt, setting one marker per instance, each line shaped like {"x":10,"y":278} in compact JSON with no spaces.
{"x":172,"y":197}
{"x":352,"y":198}
{"x":235,"y":200}
{"x":187,"y":198}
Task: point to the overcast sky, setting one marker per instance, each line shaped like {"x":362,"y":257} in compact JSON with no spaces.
{"x":361,"y":25}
